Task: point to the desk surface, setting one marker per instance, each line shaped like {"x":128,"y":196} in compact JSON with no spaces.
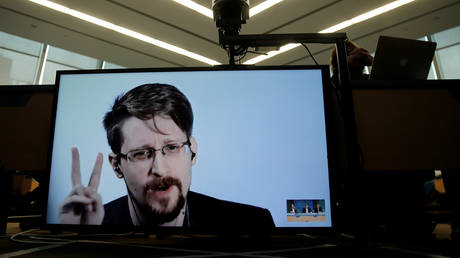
{"x":211,"y":246}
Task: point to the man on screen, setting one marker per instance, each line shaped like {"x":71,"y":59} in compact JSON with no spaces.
{"x":149,"y":130}
{"x":318,"y":208}
{"x":293,"y":209}
{"x":307,"y":208}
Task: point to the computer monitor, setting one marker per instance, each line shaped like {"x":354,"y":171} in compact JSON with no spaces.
{"x":26,"y":113}
{"x":408,"y":125}
{"x":256,"y":157}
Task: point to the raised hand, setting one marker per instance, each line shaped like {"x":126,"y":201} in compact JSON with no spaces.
{"x":83,"y":205}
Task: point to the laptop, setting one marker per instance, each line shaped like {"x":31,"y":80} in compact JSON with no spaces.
{"x":402,"y":59}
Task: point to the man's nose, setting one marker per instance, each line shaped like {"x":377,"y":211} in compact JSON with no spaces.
{"x":159,"y":167}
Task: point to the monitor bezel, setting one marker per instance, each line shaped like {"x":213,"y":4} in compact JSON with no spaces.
{"x":327,"y":87}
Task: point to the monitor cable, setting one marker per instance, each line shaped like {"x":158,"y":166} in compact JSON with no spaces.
{"x":311,"y":55}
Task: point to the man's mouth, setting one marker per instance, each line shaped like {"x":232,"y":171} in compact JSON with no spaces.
{"x":162,"y":187}
{"x":160,"y":192}
{"x":159,"y":188}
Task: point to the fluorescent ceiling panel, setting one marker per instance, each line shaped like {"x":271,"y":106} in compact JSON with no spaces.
{"x":124,"y":31}
{"x":196,"y":7}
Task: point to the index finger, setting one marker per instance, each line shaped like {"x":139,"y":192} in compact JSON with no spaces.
{"x":96,"y":174}
{"x":76,"y":176}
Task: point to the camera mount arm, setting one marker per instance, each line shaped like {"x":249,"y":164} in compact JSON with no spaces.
{"x":277,"y":40}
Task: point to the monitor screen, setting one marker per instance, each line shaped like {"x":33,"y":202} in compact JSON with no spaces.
{"x":205,"y":148}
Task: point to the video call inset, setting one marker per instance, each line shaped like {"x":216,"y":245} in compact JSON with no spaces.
{"x":306,"y":210}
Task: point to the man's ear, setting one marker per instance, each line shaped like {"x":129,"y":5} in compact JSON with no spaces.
{"x":194,"y":149}
{"x":115,"y":165}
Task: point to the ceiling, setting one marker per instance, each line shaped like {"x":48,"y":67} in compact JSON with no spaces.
{"x":173,"y":23}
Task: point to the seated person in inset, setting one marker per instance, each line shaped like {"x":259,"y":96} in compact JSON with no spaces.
{"x":318,"y":208}
{"x":357,"y":59}
{"x":149,"y":130}
{"x":293,"y":209}
{"x":307,"y":208}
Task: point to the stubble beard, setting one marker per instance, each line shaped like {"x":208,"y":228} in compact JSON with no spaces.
{"x":160,"y":213}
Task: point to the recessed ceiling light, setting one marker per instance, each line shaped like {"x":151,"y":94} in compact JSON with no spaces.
{"x":263,"y":6}
{"x":208,"y":12}
{"x":366,"y":16}
{"x":196,"y":7}
{"x":124,"y":31}
{"x":335,"y":28}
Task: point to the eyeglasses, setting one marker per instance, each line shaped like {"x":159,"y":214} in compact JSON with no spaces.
{"x":169,"y":150}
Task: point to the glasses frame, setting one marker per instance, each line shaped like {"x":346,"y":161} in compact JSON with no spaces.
{"x":162,"y":149}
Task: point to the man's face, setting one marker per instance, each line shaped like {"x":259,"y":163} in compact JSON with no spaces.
{"x":158,"y":184}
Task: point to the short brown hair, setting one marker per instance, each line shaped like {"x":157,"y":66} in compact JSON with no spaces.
{"x":145,"y":102}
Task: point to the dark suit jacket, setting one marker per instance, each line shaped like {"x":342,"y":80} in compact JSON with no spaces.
{"x":304,"y":210}
{"x":318,"y":210}
{"x":203,"y":212}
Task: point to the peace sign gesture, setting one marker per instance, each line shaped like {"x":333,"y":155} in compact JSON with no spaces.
{"x":83,"y":205}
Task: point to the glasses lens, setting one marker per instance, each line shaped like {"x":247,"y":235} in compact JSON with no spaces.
{"x":173,"y":149}
{"x":140,"y":155}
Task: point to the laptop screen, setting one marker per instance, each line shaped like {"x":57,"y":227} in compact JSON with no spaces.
{"x":402,"y":59}
{"x":206,"y":148}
